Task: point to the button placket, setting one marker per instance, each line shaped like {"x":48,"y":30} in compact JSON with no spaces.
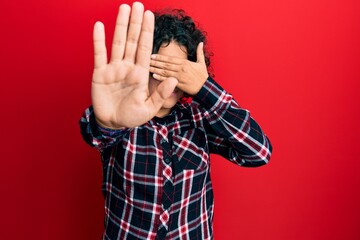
{"x":167,"y":194}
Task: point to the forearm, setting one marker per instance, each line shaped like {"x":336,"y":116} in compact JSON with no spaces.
{"x":233,"y":124}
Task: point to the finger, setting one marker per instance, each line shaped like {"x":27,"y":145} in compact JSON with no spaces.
{"x":136,"y":19}
{"x":162,"y":92}
{"x":165,"y":65}
{"x":200,"y":57}
{"x":167,"y":59}
{"x":161,"y":74}
{"x":119,"y":40}
{"x":146,"y":40}
{"x":100,"y":56}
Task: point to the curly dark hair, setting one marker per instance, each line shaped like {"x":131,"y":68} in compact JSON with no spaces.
{"x":175,"y":25}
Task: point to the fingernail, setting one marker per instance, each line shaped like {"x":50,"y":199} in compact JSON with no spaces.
{"x":153,"y":56}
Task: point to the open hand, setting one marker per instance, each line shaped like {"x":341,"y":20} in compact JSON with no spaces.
{"x":120,"y":88}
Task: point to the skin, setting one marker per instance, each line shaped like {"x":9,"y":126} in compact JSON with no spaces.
{"x":173,"y":49}
{"x":121,"y":93}
{"x":191,"y":76}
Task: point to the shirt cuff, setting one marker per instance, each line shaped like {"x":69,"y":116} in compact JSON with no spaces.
{"x":98,"y":131}
{"x":212,"y":96}
{"x":108,"y":132}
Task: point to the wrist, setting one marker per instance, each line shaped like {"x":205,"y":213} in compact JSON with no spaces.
{"x":194,"y":87}
{"x":107,"y":125}
{"x":199,"y":86}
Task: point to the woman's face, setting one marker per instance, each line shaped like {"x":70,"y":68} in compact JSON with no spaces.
{"x":173,"y":49}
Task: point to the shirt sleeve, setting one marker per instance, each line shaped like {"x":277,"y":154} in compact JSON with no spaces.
{"x":97,"y":136}
{"x":231,"y":131}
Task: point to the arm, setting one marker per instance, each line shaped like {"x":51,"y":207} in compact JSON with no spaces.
{"x":231,"y":131}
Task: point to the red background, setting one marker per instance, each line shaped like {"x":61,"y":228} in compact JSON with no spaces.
{"x":294,"y":64}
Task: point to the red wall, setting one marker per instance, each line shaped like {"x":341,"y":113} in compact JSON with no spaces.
{"x":294,"y":64}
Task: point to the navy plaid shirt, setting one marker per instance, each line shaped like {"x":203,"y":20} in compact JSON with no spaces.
{"x":156,"y":177}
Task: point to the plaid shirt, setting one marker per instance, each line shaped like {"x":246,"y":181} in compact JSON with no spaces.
{"x":156,"y":177}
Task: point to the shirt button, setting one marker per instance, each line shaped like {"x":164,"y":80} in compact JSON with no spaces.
{"x":162,"y":141}
{"x":167,"y":160}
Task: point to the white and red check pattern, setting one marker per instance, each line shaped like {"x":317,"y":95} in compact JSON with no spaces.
{"x":156,"y":177}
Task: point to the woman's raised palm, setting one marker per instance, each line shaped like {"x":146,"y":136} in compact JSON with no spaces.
{"x":120,"y":90}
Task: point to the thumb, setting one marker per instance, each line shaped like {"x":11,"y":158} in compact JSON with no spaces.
{"x":200,"y":57}
{"x":160,"y":94}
